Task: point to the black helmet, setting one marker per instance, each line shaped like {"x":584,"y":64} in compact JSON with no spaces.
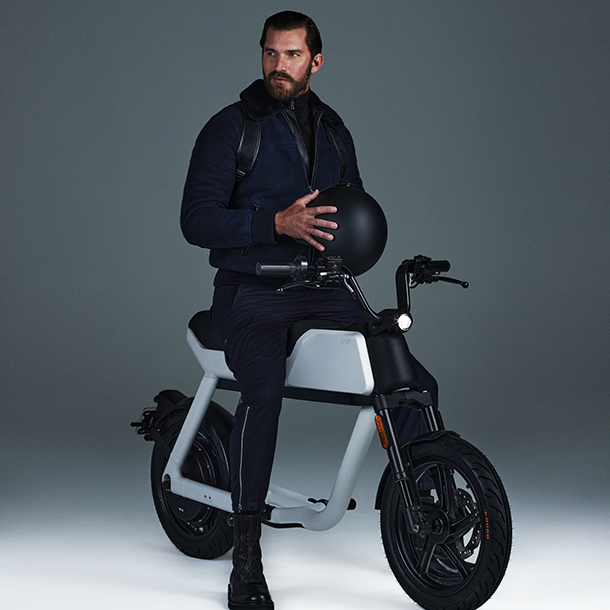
{"x":362,"y":228}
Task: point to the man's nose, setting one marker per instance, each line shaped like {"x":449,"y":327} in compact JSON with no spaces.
{"x":281,"y":64}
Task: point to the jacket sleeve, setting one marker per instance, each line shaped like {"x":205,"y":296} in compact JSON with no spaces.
{"x":206,"y":218}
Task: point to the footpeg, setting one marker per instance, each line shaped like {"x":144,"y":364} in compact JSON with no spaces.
{"x":351,"y":506}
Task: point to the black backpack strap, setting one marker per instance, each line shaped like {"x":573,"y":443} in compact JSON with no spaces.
{"x":248,"y":145}
{"x":336,"y":140}
{"x":250,"y":142}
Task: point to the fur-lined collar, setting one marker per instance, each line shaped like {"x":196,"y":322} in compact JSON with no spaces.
{"x":260,"y":105}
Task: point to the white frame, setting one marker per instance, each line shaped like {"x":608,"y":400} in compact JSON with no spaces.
{"x":345,"y":350}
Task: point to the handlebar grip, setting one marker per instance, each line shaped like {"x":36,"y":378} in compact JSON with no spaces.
{"x":438,"y":266}
{"x":284,"y":270}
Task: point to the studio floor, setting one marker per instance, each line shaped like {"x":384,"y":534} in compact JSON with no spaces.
{"x":121,"y":559}
{"x":78,"y":531}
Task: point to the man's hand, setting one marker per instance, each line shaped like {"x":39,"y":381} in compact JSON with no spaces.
{"x":300,"y":222}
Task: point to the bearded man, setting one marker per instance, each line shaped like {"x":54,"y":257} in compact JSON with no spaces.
{"x":304,"y":147}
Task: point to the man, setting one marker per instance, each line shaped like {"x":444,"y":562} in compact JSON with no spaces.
{"x":304,"y":148}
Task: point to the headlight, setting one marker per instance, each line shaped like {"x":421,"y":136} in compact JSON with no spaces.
{"x":404,"y":322}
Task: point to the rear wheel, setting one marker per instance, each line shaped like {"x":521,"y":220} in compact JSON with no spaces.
{"x":196,"y":529}
{"x":461,"y":560}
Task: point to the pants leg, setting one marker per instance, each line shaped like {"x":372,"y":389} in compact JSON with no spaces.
{"x":255,"y":350}
{"x":253,"y":322}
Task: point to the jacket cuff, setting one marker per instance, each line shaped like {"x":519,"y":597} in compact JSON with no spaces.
{"x":263,"y":228}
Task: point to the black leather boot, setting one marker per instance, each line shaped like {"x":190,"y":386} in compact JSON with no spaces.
{"x":247,"y":587}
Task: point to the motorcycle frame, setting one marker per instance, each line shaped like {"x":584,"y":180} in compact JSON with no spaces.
{"x":290,"y":507}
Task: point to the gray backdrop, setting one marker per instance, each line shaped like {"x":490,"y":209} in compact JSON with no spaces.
{"x":481,"y":128}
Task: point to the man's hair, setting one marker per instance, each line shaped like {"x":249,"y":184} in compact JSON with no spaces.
{"x":291,"y":20}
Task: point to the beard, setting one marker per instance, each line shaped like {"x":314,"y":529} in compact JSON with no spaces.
{"x":290,"y":89}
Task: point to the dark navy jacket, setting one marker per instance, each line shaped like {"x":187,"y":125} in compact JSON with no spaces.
{"x":236,"y":221}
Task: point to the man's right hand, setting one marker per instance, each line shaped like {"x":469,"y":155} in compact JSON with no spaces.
{"x":300,"y":222}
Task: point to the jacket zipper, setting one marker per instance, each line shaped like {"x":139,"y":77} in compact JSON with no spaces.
{"x":315,"y":151}
{"x":310,"y":182}
{"x":298,"y":135}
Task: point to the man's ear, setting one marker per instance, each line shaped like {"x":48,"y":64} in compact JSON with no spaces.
{"x":316,"y":62}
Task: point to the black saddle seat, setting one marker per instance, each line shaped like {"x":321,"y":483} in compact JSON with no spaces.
{"x":202,"y":327}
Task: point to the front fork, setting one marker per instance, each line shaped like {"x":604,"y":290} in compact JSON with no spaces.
{"x":400,"y":462}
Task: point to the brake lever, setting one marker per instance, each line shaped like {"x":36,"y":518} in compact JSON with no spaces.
{"x":449,"y":280}
{"x":317,"y":280}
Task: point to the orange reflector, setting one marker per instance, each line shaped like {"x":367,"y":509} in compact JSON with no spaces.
{"x":382,"y":437}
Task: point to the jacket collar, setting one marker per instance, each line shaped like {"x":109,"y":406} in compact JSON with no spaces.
{"x":260,"y":105}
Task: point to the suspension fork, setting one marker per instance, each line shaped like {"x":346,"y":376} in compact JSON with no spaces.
{"x":400,"y":462}
{"x":433,"y":418}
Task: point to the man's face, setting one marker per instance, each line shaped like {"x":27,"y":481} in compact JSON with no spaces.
{"x":287,"y":63}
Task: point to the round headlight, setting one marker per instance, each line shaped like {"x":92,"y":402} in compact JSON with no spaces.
{"x":404,"y":322}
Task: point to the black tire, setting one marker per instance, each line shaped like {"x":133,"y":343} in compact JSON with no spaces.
{"x":461,"y":562}
{"x":196,"y":529}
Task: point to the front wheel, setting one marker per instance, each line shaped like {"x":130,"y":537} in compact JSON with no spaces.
{"x":460,"y":561}
{"x":196,"y":529}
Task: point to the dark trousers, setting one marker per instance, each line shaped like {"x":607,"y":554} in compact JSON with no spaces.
{"x":253,"y":320}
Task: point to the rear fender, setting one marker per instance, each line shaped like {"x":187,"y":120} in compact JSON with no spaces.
{"x":169,"y":402}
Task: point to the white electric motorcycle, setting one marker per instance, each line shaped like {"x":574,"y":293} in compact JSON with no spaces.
{"x":445,"y":518}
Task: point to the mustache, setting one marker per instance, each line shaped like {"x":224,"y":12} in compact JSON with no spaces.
{"x":275,"y":74}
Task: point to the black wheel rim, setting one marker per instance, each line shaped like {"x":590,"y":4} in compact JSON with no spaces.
{"x":444,"y":560}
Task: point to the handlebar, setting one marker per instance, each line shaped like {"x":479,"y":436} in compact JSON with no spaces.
{"x":328,"y":272}
{"x":328,"y":267}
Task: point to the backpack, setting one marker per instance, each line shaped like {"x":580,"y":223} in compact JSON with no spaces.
{"x":250,"y":142}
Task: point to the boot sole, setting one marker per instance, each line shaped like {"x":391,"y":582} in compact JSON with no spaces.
{"x":237,"y":606}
